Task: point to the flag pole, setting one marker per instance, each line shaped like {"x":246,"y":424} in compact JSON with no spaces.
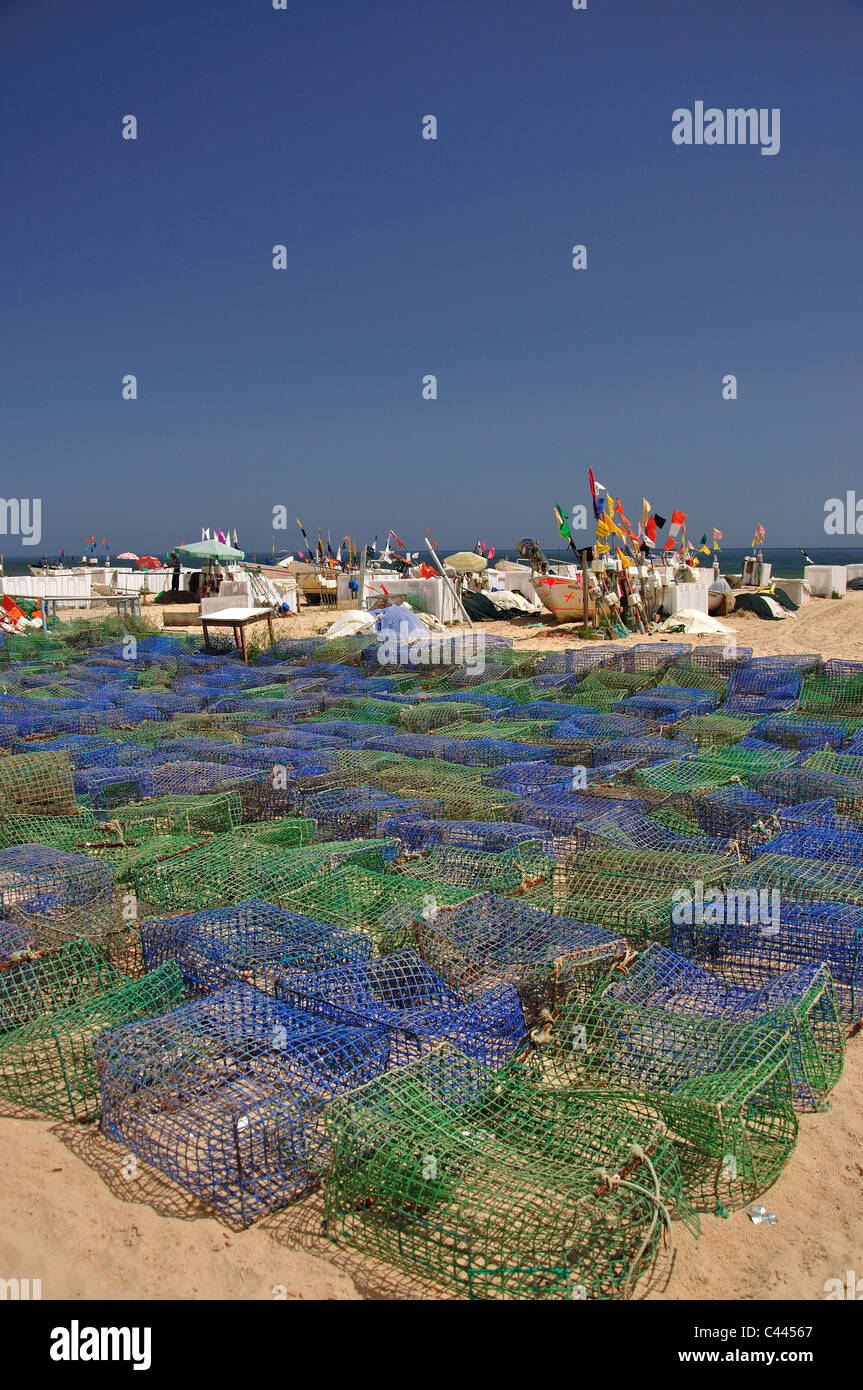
{"x":446,"y":579}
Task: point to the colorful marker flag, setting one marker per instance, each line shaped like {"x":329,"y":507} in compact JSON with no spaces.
{"x":562,"y":523}
{"x":678,"y":520}
{"x":760,"y":533}
{"x":597,"y":504}
{"x":704,"y":548}
{"x":717,"y":537}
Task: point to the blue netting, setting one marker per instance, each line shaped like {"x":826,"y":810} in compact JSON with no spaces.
{"x":400,"y":993}
{"x":810,"y":934}
{"x":648,"y":656}
{"x":224,"y":1095}
{"x":818,"y":842}
{"x":246,"y":942}
{"x":662,"y":979}
{"x":668,"y":704}
{"x":645,"y":750}
{"x":492,"y":837}
{"x":39,"y":879}
{"x":15,"y":940}
{"x":802,"y":733}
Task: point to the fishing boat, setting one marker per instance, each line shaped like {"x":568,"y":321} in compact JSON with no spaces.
{"x":561,"y":595}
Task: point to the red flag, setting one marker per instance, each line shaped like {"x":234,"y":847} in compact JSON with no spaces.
{"x":597,"y":506}
{"x":491,"y":552}
{"x":677,"y":522}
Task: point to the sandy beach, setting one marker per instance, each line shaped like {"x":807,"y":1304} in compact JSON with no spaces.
{"x":88,"y":1231}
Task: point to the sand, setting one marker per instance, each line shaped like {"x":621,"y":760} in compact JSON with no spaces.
{"x":74,"y":1221}
{"x":833,"y":627}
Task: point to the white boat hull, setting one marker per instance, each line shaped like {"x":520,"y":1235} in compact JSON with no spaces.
{"x":561,"y":596}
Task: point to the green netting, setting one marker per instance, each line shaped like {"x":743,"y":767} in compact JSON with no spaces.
{"x":231,"y":868}
{"x":710,"y":771}
{"x":38,"y":784}
{"x":212,"y":813}
{"x":506,"y":873}
{"x":490,"y":1187}
{"x":45,"y":981}
{"x":521,"y":692}
{"x":384,"y":905}
{"x":677,"y":821}
{"x":630,"y":892}
{"x":843,"y":764}
{"x":63,"y":832}
{"x":47,"y":1063}
{"x":458,"y":788}
{"x":365,"y":710}
{"x":723,"y":1088}
{"x":714,"y":730}
{"x":35,"y":645}
{"x":694,"y":677}
{"x":832,"y":694}
{"x":808,"y":880}
{"x":435,"y":714}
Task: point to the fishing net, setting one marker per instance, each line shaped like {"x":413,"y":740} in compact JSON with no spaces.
{"x":489,"y":1187}
{"x":661,"y":979}
{"x":246,"y":942}
{"x":225,"y":1095}
{"x":400,"y":993}
{"x":47,"y":1063}
{"x":38,"y":784}
{"x":722,"y":1086}
{"x":489,"y":941}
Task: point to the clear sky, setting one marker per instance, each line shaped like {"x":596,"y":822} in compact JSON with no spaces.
{"x":259,"y":388}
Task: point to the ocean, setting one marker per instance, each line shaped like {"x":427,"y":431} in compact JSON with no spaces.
{"x":787,"y":561}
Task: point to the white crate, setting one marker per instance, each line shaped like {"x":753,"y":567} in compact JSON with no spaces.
{"x":825,"y":580}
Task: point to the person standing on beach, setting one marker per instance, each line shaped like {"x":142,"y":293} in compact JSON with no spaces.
{"x":175,"y":578}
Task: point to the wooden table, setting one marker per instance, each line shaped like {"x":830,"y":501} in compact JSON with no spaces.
{"x":238,"y":619}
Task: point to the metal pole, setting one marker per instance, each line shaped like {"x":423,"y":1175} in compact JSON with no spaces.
{"x":362,"y":579}
{"x":446,"y":579}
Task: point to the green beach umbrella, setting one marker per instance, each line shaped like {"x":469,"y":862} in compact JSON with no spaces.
{"x":210,"y":550}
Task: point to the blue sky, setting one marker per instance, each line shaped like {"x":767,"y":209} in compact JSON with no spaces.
{"x":302,"y":388}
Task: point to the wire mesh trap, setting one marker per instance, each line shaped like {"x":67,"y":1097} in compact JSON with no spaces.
{"x":490,"y":1187}
{"x":723,"y":1087}
{"x":489,"y":941}
{"x":47,"y":1063}
{"x":400,"y":993}
{"x":225,"y":1095}
{"x":246,"y":942}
